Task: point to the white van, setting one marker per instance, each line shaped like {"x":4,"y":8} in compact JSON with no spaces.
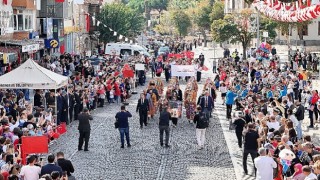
{"x":120,"y":49}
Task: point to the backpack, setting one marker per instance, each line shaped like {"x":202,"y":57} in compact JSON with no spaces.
{"x":203,"y":119}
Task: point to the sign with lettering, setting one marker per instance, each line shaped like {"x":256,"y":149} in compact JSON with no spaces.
{"x":30,"y":48}
{"x":183,"y":70}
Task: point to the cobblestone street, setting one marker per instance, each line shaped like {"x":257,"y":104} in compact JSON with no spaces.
{"x":146,"y":159}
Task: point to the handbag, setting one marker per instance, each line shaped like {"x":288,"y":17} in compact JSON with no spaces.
{"x":116,"y":124}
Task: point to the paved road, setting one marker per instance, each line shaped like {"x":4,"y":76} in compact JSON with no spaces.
{"x":146,"y":159}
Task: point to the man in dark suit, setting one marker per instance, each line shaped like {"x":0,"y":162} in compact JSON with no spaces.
{"x":179,"y":93}
{"x":84,"y":129}
{"x":143,"y":108}
{"x":77,"y":104}
{"x":50,"y":167}
{"x":59,"y":106}
{"x":65,"y":165}
{"x":71,"y":101}
{"x":206,"y":104}
{"x":65,"y":104}
{"x":38,"y":98}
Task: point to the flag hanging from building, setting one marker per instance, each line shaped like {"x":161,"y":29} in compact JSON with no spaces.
{"x":59,"y":1}
{"x":5,"y":2}
{"x":87,"y":22}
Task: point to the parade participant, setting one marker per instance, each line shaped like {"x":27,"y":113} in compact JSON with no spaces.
{"x":84,"y":129}
{"x":202,"y":122}
{"x":143,"y":108}
{"x":207,"y":104}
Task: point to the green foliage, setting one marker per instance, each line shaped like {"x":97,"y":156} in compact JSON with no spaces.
{"x":182,"y":4}
{"x":270,"y":26}
{"x":217,"y":11}
{"x":137,"y":5}
{"x":233,"y":28}
{"x":121,"y":19}
{"x":202,"y":15}
{"x":165,"y":26}
{"x":181,"y":21}
{"x":159,"y":5}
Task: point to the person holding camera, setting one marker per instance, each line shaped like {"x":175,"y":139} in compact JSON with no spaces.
{"x":84,"y":129}
{"x":123,"y":125}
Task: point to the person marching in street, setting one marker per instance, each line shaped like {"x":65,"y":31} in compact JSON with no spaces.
{"x":143,"y":108}
{"x":164,"y":121}
{"x":202,"y":122}
{"x":206,"y":104}
{"x":84,"y":129}
{"x":123,"y":125}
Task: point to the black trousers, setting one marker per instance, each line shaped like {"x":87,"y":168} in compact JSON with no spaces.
{"x":239,"y":137}
{"x":76,"y":111}
{"x":84,"y":136}
{"x":229,"y":110}
{"x":174,"y":121}
{"x":253,"y":154}
{"x":198,"y":76}
{"x":71,"y":114}
{"x":143,"y":117}
{"x":165,"y":129}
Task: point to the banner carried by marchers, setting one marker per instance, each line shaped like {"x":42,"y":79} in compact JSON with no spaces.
{"x":183,"y":70}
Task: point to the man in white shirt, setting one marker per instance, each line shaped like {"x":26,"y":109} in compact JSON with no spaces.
{"x":264,"y":165}
{"x":30,"y":171}
{"x":307,"y":171}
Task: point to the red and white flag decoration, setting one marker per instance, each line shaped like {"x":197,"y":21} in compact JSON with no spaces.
{"x":299,"y":11}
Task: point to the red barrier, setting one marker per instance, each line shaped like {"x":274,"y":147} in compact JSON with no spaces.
{"x":33,"y":145}
{"x":62,"y":128}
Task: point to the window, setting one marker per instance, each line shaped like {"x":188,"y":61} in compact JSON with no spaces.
{"x":23,"y":21}
{"x":19,"y":20}
{"x":319,"y":28}
{"x":28,"y":22}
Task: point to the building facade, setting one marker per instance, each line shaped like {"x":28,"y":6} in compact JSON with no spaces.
{"x":310,"y":35}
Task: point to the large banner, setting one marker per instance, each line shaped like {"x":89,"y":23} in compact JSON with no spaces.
{"x":183,"y":70}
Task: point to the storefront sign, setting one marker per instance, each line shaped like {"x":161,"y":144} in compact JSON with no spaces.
{"x":51,"y":43}
{"x":31,"y":47}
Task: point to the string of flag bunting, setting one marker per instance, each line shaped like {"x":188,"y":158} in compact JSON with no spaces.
{"x":115,"y":33}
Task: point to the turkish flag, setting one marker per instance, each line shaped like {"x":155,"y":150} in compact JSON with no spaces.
{"x":87,"y":22}
{"x":127,"y":71}
{"x":59,"y":1}
{"x":5,"y":2}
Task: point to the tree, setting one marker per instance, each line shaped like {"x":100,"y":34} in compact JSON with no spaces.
{"x":235,"y":28}
{"x":181,"y":21}
{"x":165,"y":26}
{"x":202,"y":18}
{"x":269,"y":26}
{"x":137,"y":5}
{"x":217,"y":11}
{"x":121,"y":19}
{"x":159,"y":5}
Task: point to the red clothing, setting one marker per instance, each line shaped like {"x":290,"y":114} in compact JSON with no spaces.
{"x":314,"y":99}
{"x":279,"y":172}
{"x":117,"y":91}
{"x":300,"y":76}
{"x":109,"y":87}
